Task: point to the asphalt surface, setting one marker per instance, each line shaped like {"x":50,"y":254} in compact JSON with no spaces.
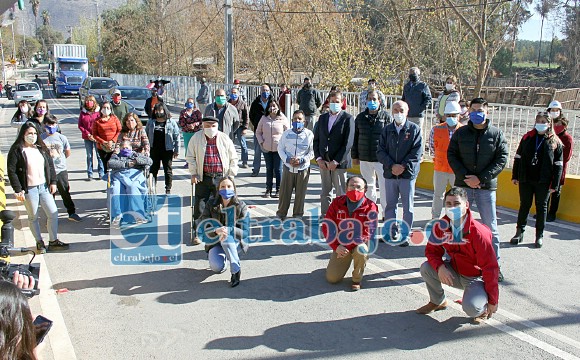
{"x":283,"y":308}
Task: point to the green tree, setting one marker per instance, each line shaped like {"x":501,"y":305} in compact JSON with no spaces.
{"x":48,"y":36}
{"x":45,"y":18}
{"x":35,"y":9}
{"x":543,"y":8}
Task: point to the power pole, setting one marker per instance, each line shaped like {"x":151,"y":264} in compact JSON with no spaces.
{"x":100,"y":57}
{"x":229,"y":43}
{"x":3,"y":66}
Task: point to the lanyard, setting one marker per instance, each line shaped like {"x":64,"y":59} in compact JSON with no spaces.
{"x":535,"y":159}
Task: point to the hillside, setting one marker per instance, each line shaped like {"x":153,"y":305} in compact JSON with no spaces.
{"x":63,"y":13}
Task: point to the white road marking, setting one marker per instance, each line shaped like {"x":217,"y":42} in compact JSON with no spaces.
{"x":492,"y":322}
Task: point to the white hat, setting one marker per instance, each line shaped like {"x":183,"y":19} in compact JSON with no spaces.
{"x":117,"y":91}
{"x":452,"y":107}
{"x":555,"y":105}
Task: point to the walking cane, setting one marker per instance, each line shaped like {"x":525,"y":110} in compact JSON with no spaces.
{"x":192,"y":198}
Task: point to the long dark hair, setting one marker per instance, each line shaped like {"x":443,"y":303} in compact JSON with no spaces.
{"x":36,"y":107}
{"x":18,"y":112}
{"x":138,"y":124}
{"x":273,"y":101}
{"x":19,"y":142}
{"x":17,"y":336}
{"x":551,"y":139}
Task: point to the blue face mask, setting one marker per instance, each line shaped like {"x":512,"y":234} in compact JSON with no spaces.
{"x":542,"y":128}
{"x":297,"y":125}
{"x":50,"y":129}
{"x":126,"y":152}
{"x":227,"y":193}
{"x":265,"y":94}
{"x":373,"y":105}
{"x":451,"y":121}
{"x":233,"y":97}
{"x":477,"y":117}
{"x":334,"y":107}
{"x":189,"y":105}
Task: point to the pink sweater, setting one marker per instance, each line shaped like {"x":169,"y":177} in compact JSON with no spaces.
{"x":269,"y":132}
{"x":86,"y":120}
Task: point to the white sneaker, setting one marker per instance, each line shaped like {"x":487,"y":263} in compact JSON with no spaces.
{"x":116,"y":221}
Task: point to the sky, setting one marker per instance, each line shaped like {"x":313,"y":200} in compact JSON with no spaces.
{"x":531,"y":29}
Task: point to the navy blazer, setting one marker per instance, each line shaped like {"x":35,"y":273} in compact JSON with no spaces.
{"x":336,"y":144}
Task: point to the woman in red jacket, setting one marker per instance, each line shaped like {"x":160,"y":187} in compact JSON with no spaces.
{"x":106,"y":130}
{"x":89,"y":114}
{"x":560,"y":127}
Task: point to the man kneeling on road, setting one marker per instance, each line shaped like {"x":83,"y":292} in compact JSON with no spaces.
{"x":473,"y":266}
{"x":354,"y":207}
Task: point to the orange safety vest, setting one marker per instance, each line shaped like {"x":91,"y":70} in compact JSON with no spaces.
{"x":440,"y":145}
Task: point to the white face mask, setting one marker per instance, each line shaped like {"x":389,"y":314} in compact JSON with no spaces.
{"x":106,"y":112}
{"x":210,"y":132}
{"x":399,"y":118}
{"x":449,"y":87}
{"x":454,"y":213}
{"x":24,"y":109}
{"x":554,"y":114}
{"x":30,"y":139}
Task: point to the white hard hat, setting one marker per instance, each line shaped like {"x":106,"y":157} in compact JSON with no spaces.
{"x":555,"y":105}
{"x":452,"y":107}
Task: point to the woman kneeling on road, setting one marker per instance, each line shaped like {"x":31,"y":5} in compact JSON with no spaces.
{"x":33,"y":178}
{"x":221,"y":243}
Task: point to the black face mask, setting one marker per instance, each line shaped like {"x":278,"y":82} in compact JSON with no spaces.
{"x":413,"y":77}
{"x":160,"y":114}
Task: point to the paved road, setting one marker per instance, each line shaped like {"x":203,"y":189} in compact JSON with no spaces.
{"x":283,"y":308}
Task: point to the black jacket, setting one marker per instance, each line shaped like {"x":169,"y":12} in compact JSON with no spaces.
{"x":403,"y":148}
{"x":337,"y":144}
{"x":257,"y":111}
{"x":149,"y":111}
{"x":213,"y":210}
{"x":18,"y":169}
{"x":552,"y":161}
{"x":483,"y":153}
{"x":367,"y":133}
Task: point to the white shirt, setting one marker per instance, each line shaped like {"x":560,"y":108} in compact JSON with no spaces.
{"x":332,"y":120}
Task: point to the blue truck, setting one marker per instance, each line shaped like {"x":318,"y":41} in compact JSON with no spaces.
{"x":68,"y":69}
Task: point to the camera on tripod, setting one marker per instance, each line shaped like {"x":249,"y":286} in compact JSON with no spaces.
{"x":7,"y":269}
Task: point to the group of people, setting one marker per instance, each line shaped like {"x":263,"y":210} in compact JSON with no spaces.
{"x":468,"y":151}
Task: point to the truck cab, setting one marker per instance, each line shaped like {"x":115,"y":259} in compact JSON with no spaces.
{"x":69,"y":74}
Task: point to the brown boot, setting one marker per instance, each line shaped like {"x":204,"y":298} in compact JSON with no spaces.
{"x":479,"y":319}
{"x":430,"y":307}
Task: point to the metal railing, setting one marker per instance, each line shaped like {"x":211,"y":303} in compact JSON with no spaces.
{"x":513,"y":120}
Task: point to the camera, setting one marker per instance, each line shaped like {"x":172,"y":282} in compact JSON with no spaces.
{"x":6,"y":246}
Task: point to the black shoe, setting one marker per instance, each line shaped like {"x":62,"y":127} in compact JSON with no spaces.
{"x":518,"y":237}
{"x":57,"y":245}
{"x":236,"y":279}
{"x":535,"y":216}
{"x":500,"y":276}
{"x":41,"y":247}
{"x":244,"y":166}
{"x":539,"y":241}
{"x":267,"y":194}
{"x":275,"y":195}
{"x":404,"y":244}
{"x":550,"y":217}
{"x":254,"y":173}
{"x":168,"y":192}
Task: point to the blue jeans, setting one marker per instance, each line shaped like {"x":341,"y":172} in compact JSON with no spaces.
{"x":218,"y":254}
{"x":257,"y":155}
{"x":131,"y":184}
{"x":40,"y":195}
{"x":485,"y":201}
{"x":243,"y":144}
{"x":405,"y":188}
{"x":90,"y":149}
{"x":273,"y":167}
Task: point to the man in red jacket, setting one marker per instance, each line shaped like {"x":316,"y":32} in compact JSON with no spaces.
{"x":473,"y":266}
{"x":350,"y":223}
